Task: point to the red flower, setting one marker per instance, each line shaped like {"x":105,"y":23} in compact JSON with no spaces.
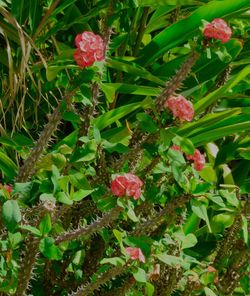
{"x":199,"y":160}
{"x":127,"y":184}
{"x":90,"y":48}
{"x":175,"y":147}
{"x":218,"y":29}
{"x":135,"y":254}
{"x":180,"y":107}
{"x":8,"y":188}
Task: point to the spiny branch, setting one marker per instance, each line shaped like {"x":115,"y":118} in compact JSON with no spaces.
{"x":176,"y":80}
{"x":92,"y":228}
{"x":27,"y":170}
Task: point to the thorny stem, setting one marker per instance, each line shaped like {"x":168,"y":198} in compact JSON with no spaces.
{"x":92,"y":228}
{"x":141,"y":30}
{"x":168,"y":211}
{"x":230,"y":280}
{"x":27,"y":170}
{"x":102,"y":279}
{"x":27,"y":265}
{"x":229,"y":242}
{"x":31,"y":253}
{"x":176,"y":80}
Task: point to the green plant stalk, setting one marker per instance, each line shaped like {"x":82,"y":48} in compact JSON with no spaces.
{"x":27,"y":265}
{"x":93,"y":255}
{"x":141,"y":30}
{"x":31,"y":252}
{"x":89,"y":112}
{"x":102,"y":279}
{"x":145,"y":229}
{"x":176,"y":80}
{"x":168,"y":212}
{"x":226,"y":246}
{"x":92,"y":228}
{"x":169,"y":281}
{"x":229,"y":242}
{"x":121,"y":291}
{"x":189,"y":288}
{"x":234,"y":273}
{"x":27,"y":170}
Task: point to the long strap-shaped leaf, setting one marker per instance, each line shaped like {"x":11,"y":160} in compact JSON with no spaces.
{"x":185,"y":29}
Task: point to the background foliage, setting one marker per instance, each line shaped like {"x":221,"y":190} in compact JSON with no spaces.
{"x":61,"y":227}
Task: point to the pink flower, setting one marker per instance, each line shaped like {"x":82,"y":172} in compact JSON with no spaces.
{"x":199,"y":160}
{"x":90,"y":48}
{"x":127,"y":184}
{"x":135,"y":254}
{"x":175,"y":147}
{"x":180,"y":107}
{"x":218,"y":29}
{"x":8,"y":188}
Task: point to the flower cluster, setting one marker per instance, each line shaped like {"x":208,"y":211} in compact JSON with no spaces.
{"x":127,"y":184}
{"x":90,"y":48}
{"x":218,"y":29}
{"x":198,"y":158}
{"x":7,"y":187}
{"x":135,"y":254}
{"x":180,"y":107}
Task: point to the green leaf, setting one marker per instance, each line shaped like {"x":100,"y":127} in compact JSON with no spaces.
{"x":150,"y":289}
{"x":109,"y":92}
{"x":117,"y":261}
{"x":212,"y":97}
{"x":54,"y":178}
{"x":47,"y":196}
{"x":71,"y":116}
{"x":133,"y":69}
{"x":53,"y":71}
{"x":231,"y":197}
{"x":113,"y":115}
{"x":140,"y":275}
{"x":189,"y":241}
{"x":79,"y":181}
{"x":208,"y":174}
{"x":45,"y":225}
{"x":85,"y":153}
{"x":179,"y":32}
{"x":173,"y":260}
{"x":22,"y":189}
{"x":118,"y":234}
{"x":245,"y":228}
{"x":64,"y":198}
{"x":7,"y":166}
{"x":49,"y":249}
{"x":221,"y":221}
{"x":56,"y":159}
{"x":244,"y":152}
{"x":146,"y":123}
{"x":20,"y":9}
{"x":97,"y":135}
{"x":35,"y":14}
{"x":209,"y":292}
{"x":80,"y":194}
{"x":185,"y":144}
{"x":132,"y":216}
{"x":157,"y":3}
{"x":125,"y":88}
{"x":31,"y":229}
{"x":11,"y":214}
{"x":201,"y":211}
{"x":15,"y":239}
{"x":206,"y":122}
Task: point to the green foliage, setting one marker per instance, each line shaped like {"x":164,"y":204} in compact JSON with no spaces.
{"x":68,"y":132}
